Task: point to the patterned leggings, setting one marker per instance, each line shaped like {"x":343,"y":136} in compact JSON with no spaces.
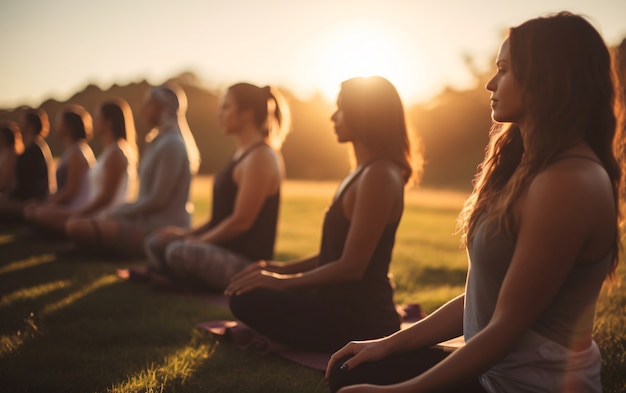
{"x":203,"y":264}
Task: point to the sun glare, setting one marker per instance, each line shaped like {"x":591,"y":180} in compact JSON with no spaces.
{"x":365,"y":49}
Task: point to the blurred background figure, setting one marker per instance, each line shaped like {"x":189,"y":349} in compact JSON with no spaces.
{"x":113,"y":176}
{"x":169,"y":161}
{"x":73,"y":129}
{"x":11,"y":147}
{"x":33,"y":180}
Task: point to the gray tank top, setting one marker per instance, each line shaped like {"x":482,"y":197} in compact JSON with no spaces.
{"x":542,"y":361}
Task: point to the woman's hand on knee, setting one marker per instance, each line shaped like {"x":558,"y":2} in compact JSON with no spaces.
{"x":355,"y":353}
{"x":170,"y":233}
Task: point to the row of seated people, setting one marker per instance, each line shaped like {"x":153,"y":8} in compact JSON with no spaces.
{"x":541,"y":226}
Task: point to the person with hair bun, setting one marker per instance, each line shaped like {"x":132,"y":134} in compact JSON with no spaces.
{"x":74,"y":130}
{"x":113,"y":175}
{"x":542,"y":230}
{"x":320,"y":302}
{"x":170,"y":159}
{"x":246,"y":197}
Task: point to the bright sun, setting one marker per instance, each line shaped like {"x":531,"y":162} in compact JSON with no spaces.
{"x":364,"y":49}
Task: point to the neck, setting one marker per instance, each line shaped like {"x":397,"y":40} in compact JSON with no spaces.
{"x":28,"y":139}
{"x":247,"y":137}
{"x":69,"y":142}
{"x":362,"y":153}
{"x":106,"y":139}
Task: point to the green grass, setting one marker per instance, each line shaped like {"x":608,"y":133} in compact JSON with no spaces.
{"x":68,"y":325}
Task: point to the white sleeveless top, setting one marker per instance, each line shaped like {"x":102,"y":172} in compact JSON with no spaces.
{"x":97,"y":177}
{"x":83,"y":195}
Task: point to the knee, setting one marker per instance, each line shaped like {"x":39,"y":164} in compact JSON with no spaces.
{"x":172,"y":251}
{"x":240,"y":304}
{"x":152,"y":243}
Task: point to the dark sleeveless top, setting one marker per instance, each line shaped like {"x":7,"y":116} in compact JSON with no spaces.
{"x":31,"y":172}
{"x":368,"y":302}
{"x":258,"y":242}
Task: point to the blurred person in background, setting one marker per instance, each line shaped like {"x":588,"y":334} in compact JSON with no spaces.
{"x":33,"y":180}
{"x":169,"y":161}
{"x":113,"y":176}
{"x":11,"y":147}
{"x":73,"y":129}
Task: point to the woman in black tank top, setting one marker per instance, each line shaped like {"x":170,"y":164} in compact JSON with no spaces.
{"x":343,"y":292}
{"x":246,"y":197}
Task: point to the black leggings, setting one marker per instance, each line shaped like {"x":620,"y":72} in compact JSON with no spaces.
{"x":301,"y":320}
{"x":395,"y":369}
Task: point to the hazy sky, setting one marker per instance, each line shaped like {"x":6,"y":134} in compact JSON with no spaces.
{"x":53,"y":48}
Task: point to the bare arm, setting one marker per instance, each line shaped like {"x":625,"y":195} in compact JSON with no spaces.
{"x":259,"y":177}
{"x":444,"y":324}
{"x":115,"y":167}
{"x":77,"y":166}
{"x":293,"y":267}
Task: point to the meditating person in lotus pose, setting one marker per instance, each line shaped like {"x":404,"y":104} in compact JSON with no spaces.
{"x":33,"y":181}
{"x":169,"y":161}
{"x":246,"y":198}
{"x":112,"y":176}
{"x":320,"y":302}
{"x":74,"y":130}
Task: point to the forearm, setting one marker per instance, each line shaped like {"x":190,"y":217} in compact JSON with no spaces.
{"x":59,"y":198}
{"x":297,"y":266}
{"x":228,"y":229}
{"x":334,"y":273}
{"x":144,"y":204}
{"x":467,"y":362}
{"x":100,"y":202}
{"x":443,"y":324}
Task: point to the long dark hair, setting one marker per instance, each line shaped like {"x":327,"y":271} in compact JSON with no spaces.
{"x":38,"y":120}
{"x":564,"y":67}
{"x":373,"y":109}
{"x":78,"y":122}
{"x":118,"y":112}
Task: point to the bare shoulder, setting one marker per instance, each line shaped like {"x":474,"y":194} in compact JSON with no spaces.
{"x":579,"y":189}
{"x":117,"y":156}
{"x":261,"y":157}
{"x":382,"y":175}
{"x":76,"y":156}
{"x":572,"y":178}
{"x":384,"y":170}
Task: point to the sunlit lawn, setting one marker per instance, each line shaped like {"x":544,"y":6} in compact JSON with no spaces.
{"x":67,"y":324}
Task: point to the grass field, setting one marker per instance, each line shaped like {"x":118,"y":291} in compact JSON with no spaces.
{"x":69,"y":325}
